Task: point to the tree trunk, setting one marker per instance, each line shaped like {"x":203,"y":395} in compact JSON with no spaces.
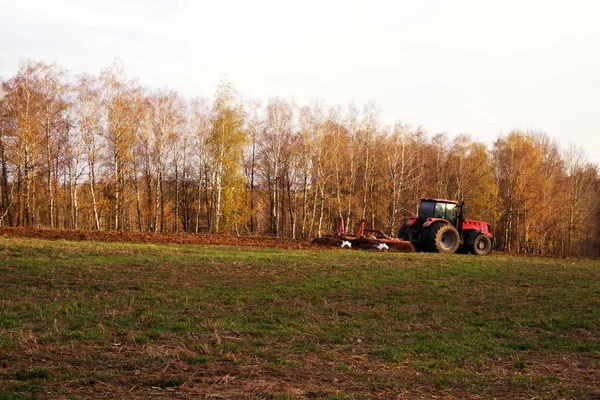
{"x":91,"y":164}
{"x":321,"y":211}
{"x":157,"y":199}
{"x":49,"y":164}
{"x":218,"y":194}
{"x":6,"y":203}
{"x":304,"y":205}
{"x":252,"y":168}
{"x":138,"y":201}
{"x":176,"y":198}
{"x":117,"y":192}
{"x":366,"y":183}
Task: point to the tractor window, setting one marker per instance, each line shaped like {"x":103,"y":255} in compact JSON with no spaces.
{"x":451,"y":213}
{"x":426,"y":209}
{"x":440,"y":210}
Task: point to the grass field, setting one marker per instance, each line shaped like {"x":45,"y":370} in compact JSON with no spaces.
{"x":91,"y":320}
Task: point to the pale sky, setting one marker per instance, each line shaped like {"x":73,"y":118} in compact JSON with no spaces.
{"x":458,"y":66}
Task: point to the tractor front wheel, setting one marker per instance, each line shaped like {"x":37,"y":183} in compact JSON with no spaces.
{"x":444,"y":238}
{"x":482,"y":245}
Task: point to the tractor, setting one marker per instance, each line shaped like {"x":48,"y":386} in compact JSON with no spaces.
{"x":441,"y":227}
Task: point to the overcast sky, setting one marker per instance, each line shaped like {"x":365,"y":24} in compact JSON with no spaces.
{"x":458,"y":66}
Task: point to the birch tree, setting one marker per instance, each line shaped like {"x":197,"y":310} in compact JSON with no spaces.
{"x":121,"y":100}
{"x":225,"y":145}
{"x":274,"y":139}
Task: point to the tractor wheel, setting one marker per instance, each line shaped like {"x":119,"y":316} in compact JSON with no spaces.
{"x":482,"y":245}
{"x":443,"y":238}
{"x":403,"y":232}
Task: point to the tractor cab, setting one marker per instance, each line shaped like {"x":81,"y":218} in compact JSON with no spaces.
{"x":440,"y":209}
{"x":431,"y":211}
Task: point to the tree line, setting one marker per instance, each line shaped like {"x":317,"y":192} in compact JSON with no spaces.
{"x":103,"y":152}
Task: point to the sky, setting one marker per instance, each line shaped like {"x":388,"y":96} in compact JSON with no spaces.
{"x":478,"y":67}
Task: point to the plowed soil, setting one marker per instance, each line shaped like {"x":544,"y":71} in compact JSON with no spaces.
{"x":159,"y":238}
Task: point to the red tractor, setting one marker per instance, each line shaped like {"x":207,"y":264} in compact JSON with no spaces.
{"x":441,"y":227}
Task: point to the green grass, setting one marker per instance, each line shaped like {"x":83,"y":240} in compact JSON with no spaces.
{"x":80,"y":318}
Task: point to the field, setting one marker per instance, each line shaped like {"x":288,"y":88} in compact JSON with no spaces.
{"x":163,"y":238}
{"x":89,"y":319}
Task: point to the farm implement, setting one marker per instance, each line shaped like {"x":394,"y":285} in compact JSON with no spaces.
{"x":363,"y":238}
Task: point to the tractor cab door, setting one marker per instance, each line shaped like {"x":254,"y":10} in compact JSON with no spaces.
{"x":452,"y":213}
{"x":447,"y":211}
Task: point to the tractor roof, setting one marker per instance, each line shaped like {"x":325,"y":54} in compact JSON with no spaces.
{"x":440,"y":200}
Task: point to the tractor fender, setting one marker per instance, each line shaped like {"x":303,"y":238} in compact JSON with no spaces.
{"x":430,"y":221}
{"x":470,"y":237}
{"x":411,"y":221}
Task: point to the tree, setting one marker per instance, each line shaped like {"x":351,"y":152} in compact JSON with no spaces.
{"x":305,"y":150}
{"x":121,"y":100}
{"x":594,"y":222}
{"x":254,"y":127}
{"x":23,"y":104}
{"x":518,"y":165}
{"x":200,"y":121}
{"x":580,"y":179}
{"x":437,"y":163}
{"x":551,"y":201}
{"x":353,"y":145}
{"x":471,"y":177}
{"x":275,"y":138}
{"x":55,"y":125}
{"x":225,"y":145}
{"x":184,"y":186}
{"x":168,"y":121}
{"x":88,"y":112}
{"x":402,"y":162}
{"x":368,"y":134}
{"x":6,"y":192}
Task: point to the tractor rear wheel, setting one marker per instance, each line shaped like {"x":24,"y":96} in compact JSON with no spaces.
{"x":443,"y":238}
{"x":482,"y":245}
